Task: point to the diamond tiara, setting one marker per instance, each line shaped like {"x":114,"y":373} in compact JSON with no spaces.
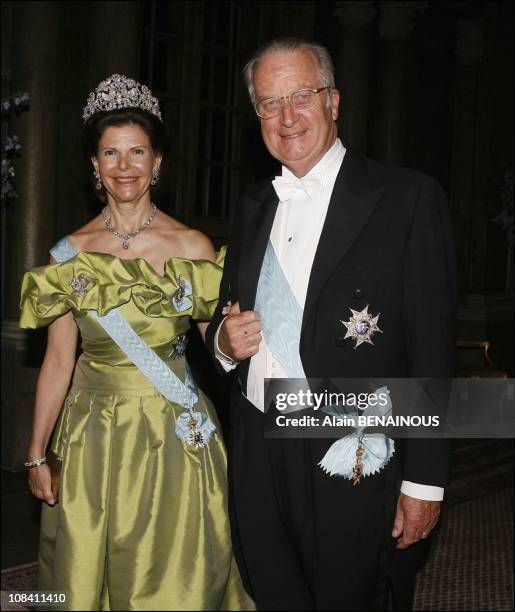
{"x":119,"y":91}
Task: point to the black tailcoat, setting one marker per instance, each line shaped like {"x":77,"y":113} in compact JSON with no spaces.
{"x":303,"y":539}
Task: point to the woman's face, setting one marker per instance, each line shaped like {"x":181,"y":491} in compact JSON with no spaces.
{"x":125,"y":160}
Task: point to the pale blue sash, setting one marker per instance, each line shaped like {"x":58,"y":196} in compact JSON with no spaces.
{"x":149,"y":363}
{"x":281,"y":314}
{"x":281,"y":323}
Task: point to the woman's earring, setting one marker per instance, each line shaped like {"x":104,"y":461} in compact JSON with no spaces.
{"x":155,"y":175}
{"x":98,"y":181}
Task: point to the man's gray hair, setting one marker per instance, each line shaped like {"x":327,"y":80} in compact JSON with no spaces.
{"x":320,"y":53}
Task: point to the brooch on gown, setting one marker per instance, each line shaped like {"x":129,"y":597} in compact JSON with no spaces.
{"x":362,"y":326}
{"x":180,"y":298}
{"x":359,"y":454}
{"x":79,"y":284}
{"x":178,"y":346}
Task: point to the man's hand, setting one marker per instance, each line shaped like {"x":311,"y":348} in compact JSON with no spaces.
{"x":414,"y":520}
{"x":240,"y":333}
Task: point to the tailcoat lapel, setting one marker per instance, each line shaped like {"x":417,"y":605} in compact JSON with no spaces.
{"x":259,"y":219}
{"x":352,"y":201}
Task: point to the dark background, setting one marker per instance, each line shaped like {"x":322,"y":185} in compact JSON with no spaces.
{"x":427,"y":85}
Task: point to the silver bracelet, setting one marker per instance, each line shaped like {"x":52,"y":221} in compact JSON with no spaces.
{"x":35,"y":462}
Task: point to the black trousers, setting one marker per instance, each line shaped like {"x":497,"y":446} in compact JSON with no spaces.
{"x":307,"y":541}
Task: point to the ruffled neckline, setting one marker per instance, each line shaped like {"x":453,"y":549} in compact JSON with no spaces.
{"x":101,"y":282}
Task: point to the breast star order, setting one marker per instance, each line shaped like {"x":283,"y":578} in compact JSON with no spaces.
{"x":361,"y":326}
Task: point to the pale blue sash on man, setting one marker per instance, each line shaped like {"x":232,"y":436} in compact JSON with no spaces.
{"x":281,"y":314}
{"x":281,"y":323}
{"x":152,"y":366}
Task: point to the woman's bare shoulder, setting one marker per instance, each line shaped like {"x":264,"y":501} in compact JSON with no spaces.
{"x":198,"y":245}
{"x":188,"y":243}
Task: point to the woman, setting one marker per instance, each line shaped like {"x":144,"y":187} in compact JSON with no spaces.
{"x":141,"y":521}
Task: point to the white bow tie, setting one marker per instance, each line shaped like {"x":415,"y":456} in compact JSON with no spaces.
{"x":285,"y":186}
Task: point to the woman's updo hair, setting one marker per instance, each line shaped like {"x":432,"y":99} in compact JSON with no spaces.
{"x":99,"y":122}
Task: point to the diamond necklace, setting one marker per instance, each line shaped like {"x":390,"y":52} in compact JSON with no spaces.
{"x":128,"y":236}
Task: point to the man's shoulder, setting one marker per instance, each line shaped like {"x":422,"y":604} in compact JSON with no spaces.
{"x":402,"y":190}
{"x":386,"y":175}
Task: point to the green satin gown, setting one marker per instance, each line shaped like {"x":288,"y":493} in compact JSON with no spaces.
{"x":141,"y":522}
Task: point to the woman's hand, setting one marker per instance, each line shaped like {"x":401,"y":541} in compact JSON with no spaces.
{"x":43,"y":484}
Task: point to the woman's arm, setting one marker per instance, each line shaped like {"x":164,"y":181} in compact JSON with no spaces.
{"x":52,"y":386}
{"x":200,"y":247}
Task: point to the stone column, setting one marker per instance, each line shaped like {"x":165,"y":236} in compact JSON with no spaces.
{"x":481,"y":315}
{"x":352,"y":70}
{"x":31,"y":217}
{"x":468,"y":213}
{"x":35,"y":64}
{"x":115,"y":39}
{"x":396,"y":22}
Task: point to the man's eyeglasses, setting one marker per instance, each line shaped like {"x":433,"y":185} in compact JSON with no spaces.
{"x":301,"y":100}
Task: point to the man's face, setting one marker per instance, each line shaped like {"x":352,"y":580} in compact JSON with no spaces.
{"x":298,"y":139}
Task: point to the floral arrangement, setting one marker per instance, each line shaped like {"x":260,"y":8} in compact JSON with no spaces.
{"x":11,"y":147}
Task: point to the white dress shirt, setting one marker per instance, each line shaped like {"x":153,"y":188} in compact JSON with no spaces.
{"x":295,"y":234}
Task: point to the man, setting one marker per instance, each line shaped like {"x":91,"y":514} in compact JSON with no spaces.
{"x":351,"y":233}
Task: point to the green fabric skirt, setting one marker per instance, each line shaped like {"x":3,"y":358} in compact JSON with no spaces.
{"x":141,"y":522}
